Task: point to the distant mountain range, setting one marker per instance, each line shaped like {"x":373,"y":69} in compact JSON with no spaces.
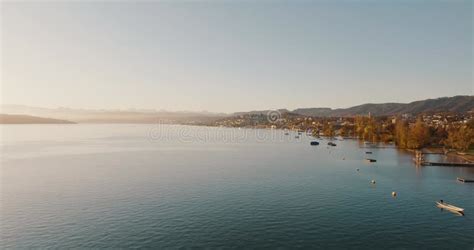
{"x":456,"y":104}
{"x":110,"y":116}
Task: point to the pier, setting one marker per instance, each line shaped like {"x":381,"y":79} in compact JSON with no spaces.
{"x":420,"y":160}
{"x":447,"y":164}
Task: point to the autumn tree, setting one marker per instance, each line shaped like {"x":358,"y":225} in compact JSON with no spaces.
{"x":329,"y":130}
{"x":440,"y":135}
{"x":371,"y":130}
{"x":359,"y":126}
{"x":461,"y":137}
{"x":401,"y":133}
{"x":418,"y":135}
{"x":346,"y":130}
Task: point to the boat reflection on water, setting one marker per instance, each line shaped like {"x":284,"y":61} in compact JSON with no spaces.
{"x":453,"y":212}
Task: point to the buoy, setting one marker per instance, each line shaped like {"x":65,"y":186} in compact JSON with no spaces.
{"x":373,"y":181}
{"x":394,"y":193}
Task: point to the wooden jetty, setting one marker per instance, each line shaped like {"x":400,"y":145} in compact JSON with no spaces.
{"x":420,"y":160}
{"x":447,"y":164}
{"x":419,"y":157}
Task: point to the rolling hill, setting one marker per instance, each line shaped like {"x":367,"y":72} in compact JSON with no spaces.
{"x":456,"y":104}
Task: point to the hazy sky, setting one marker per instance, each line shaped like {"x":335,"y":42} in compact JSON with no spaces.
{"x":234,"y":56}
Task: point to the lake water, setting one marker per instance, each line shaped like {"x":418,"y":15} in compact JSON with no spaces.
{"x":164,"y":186}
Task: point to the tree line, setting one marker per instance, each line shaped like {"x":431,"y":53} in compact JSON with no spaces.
{"x":414,"y":135}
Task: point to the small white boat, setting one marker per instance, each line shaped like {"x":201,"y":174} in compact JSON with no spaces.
{"x":444,"y":205}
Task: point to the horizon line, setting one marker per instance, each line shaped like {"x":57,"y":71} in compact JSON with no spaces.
{"x":2,"y":105}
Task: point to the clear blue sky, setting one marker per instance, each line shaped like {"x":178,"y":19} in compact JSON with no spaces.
{"x":234,"y":56}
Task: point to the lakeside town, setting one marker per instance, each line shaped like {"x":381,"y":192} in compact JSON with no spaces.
{"x":448,"y":133}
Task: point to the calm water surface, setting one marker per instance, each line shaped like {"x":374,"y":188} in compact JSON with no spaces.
{"x":144,"y":186}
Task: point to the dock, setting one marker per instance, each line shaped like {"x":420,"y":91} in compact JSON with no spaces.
{"x":420,"y":160}
{"x":447,"y":164}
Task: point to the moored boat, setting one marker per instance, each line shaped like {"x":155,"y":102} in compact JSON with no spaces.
{"x":464,"y":180}
{"x":444,"y":205}
{"x":314,"y":143}
{"x":370,"y":160}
